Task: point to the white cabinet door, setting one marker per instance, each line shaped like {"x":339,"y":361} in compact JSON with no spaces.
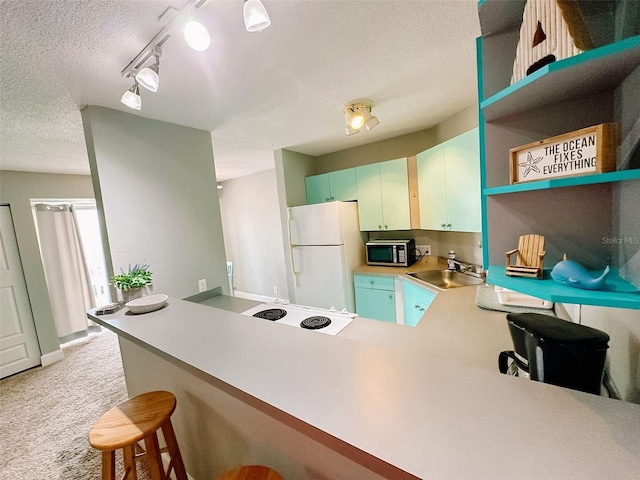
{"x":19,"y":348}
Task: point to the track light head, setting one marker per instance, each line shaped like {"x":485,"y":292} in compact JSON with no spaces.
{"x":256,"y":17}
{"x":358,"y":114}
{"x":131,"y":97}
{"x":149,"y":77}
{"x":197,"y":36}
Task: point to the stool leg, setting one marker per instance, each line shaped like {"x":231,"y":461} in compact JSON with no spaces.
{"x":129,"y":455}
{"x":174,"y":451}
{"x":109,"y":465}
{"x":152,"y":448}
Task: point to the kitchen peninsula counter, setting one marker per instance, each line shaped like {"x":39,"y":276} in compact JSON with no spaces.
{"x":352,"y":407}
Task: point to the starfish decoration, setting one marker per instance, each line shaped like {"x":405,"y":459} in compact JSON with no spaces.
{"x":530,"y":164}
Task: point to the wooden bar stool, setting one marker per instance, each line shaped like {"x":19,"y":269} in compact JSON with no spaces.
{"x":251,"y":472}
{"x":139,"y":418}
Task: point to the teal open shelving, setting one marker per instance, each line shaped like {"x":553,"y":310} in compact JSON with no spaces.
{"x":590,"y":72}
{"x":620,"y":293}
{"x":565,"y":182}
{"x":593,"y":87}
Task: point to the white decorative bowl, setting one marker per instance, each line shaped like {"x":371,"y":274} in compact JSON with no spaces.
{"x":147,"y":304}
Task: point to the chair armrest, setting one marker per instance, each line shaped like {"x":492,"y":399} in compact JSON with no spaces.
{"x":542,"y":254}
{"x":511,"y":252}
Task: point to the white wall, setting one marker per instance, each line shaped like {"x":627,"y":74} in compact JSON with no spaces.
{"x":252,"y":234}
{"x":155,"y":188}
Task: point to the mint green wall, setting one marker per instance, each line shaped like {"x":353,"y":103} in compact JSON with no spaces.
{"x":155,"y":186}
{"x":16,"y":190}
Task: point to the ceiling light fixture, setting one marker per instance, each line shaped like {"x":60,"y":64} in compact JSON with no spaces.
{"x":131,"y":97}
{"x":197,"y":36}
{"x":358,"y":114}
{"x":256,"y":17}
{"x":149,"y":77}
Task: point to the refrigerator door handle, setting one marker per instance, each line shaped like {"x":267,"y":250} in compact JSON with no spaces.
{"x":291,"y":250}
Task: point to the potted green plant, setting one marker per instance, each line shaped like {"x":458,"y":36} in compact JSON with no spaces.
{"x":134,"y":283}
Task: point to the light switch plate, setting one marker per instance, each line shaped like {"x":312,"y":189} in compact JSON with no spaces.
{"x":202,"y":285}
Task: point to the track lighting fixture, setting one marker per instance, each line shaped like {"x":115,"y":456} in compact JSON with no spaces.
{"x":358,"y":114}
{"x":256,"y":17}
{"x":131,"y":97}
{"x":196,"y":36}
{"x":149,"y":77}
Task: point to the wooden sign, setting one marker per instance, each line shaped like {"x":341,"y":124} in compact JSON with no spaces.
{"x":586,"y":151}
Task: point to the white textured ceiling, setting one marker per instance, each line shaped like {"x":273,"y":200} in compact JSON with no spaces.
{"x":256,"y":92}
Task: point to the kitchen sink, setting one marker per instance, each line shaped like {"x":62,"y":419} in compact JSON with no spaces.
{"x":445,"y":279}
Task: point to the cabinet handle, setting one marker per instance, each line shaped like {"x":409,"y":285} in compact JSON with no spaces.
{"x":326,"y":199}
{"x":332,"y":198}
{"x":379,"y":227}
{"x":386,"y":228}
{"x":442,"y":225}
{"x":449,"y":226}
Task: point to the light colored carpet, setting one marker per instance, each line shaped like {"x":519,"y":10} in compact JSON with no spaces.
{"x":46,"y":413}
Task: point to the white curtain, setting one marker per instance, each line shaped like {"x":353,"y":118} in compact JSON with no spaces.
{"x":65,"y":268}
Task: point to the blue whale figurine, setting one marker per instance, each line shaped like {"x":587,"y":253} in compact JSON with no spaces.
{"x":573,"y":274}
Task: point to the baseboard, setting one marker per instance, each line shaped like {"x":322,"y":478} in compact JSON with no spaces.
{"x":252,"y":296}
{"x":51,"y":357}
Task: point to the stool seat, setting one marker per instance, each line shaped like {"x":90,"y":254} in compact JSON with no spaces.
{"x":251,"y":472}
{"x":132,"y":420}
{"x":139,"y":418}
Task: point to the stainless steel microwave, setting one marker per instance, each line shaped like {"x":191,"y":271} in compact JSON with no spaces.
{"x":394,"y":253}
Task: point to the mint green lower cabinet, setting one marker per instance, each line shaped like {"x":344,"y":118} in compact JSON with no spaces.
{"x":375,"y":297}
{"x":416,"y":300}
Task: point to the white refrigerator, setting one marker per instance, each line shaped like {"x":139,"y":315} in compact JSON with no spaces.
{"x":326,"y":247}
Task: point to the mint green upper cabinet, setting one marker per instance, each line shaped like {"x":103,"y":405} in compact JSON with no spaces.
{"x":343,"y":185}
{"x":332,"y":186}
{"x":449,"y":185}
{"x":431,"y":188}
{"x":318,"y":188}
{"x":369,"y":197}
{"x":383,"y":196}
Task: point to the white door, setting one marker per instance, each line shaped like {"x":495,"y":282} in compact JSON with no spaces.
{"x":320,"y":277}
{"x":18,"y":341}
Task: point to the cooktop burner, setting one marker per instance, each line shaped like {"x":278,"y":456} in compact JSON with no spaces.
{"x":315,"y":322}
{"x":272,"y":314}
{"x":312,"y":319}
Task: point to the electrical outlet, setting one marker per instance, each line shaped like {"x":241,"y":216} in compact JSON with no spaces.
{"x":424,"y":249}
{"x":275,"y":290}
{"x":202,"y":285}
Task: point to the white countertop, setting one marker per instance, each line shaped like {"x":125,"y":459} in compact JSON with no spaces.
{"x":423,"y":399}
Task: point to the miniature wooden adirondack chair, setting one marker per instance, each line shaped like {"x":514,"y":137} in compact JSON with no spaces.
{"x":529,"y":259}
